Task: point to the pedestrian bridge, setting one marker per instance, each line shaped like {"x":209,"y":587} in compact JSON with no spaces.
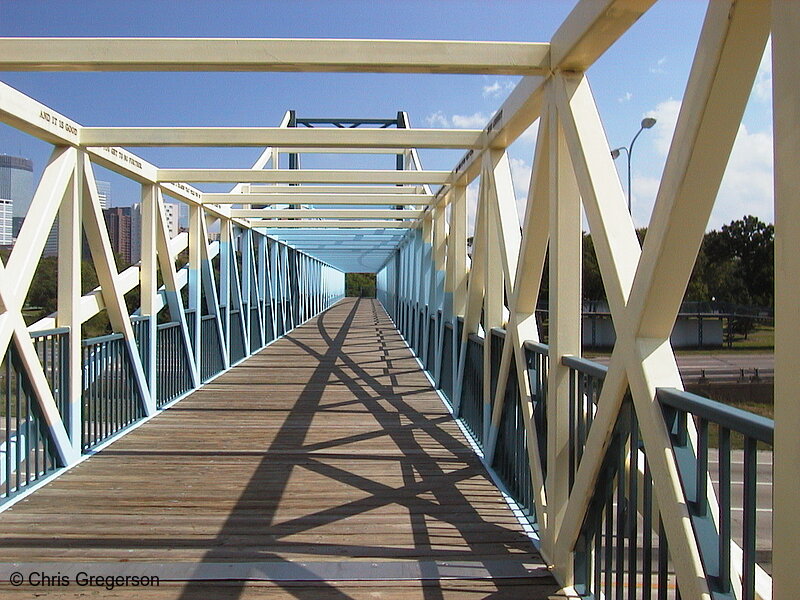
{"x":246,"y":431}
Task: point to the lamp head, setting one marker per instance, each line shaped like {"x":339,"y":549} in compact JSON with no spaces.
{"x":648,"y":122}
{"x":615,"y":153}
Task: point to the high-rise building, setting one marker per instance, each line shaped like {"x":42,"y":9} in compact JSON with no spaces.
{"x":6,"y":222}
{"x":104,"y":194}
{"x":118,"y":222}
{"x":171,"y":214}
{"x":16,"y":193}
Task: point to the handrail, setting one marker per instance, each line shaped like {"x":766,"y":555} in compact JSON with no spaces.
{"x":582,"y":365}
{"x":46,"y":332}
{"x":102,"y":339}
{"x":752,"y":425}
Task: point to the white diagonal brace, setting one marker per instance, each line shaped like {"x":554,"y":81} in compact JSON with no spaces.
{"x":107,"y":276}
{"x":502,"y":206}
{"x":172,"y":284}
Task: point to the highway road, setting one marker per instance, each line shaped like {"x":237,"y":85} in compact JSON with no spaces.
{"x":719,"y":367}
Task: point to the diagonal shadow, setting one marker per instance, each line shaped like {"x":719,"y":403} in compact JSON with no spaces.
{"x":420,"y":472}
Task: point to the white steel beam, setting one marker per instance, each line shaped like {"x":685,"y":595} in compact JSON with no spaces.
{"x":591,"y":28}
{"x":323,"y":213}
{"x":312,"y":55}
{"x":333,"y":189}
{"x":266,"y":199}
{"x":281,"y":136}
{"x":301,"y":176}
{"x":291,"y":223}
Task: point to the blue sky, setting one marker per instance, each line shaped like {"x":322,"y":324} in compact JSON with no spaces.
{"x":644,"y":74}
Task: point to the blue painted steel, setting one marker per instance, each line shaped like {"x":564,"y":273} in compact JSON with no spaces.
{"x":173,"y":370}
{"x":110,"y":397}
{"x":26,"y":450}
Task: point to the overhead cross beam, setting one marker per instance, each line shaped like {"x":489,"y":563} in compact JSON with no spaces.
{"x":323,"y":224}
{"x":301,"y":176}
{"x":311,"y":198}
{"x":323,"y":213}
{"x":311,"y":55}
{"x":281,"y":137}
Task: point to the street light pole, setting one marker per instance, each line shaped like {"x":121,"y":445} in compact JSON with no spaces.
{"x":647,"y":123}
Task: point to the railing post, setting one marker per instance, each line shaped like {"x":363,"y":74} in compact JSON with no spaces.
{"x":564,"y":332}
{"x":69,"y":295}
{"x":786,"y":115}
{"x":225,"y":287}
{"x":437,"y":287}
{"x":456,"y":283}
{"x":195,"y":276}
{"x":149,"y":281}
{"x":247,"y":299}
{"x":426,"y":287}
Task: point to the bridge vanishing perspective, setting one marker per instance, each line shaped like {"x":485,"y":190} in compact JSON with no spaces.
{"x":248,"y":432}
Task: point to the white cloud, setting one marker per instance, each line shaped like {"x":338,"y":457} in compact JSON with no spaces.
{"x":492,"y":90}
{"x":659,"y":66}
{"x":474,"y":121}
{"x":530,"y":134}
{"x":521,"y":177}
{"x":472,"y":206}
{"x":666,"y":115}
{"x":762,"y":87}
{"x":497,"y":88}
{"x":437,"y":119}
{"x":626,"y":97}
{"x":746,"y":188}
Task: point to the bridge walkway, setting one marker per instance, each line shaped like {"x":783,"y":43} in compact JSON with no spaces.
{"x":325,"y":466}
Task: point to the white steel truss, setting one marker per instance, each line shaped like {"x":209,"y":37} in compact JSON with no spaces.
{"x":445,"y":302}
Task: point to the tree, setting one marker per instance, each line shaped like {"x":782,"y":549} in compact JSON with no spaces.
{"x":360,"y":284}
{"x":736,"y":264}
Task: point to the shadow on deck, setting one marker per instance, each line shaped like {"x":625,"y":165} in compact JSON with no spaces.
{"x":324,"y":466}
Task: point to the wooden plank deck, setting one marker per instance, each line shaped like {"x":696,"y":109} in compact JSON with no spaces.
{"x":326,"y":461}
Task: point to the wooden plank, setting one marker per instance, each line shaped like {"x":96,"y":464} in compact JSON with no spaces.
{"x":313,"y":55}
{"x":329,"y":445}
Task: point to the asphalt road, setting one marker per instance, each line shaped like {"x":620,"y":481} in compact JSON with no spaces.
{"x":721,"y":368}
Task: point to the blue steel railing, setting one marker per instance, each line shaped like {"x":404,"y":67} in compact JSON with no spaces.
{"x":27,"y":453}
{"x":237,"y":337}
{"x":511,"y":461}
{"x":255,"y":329}
{"x":141,"y":332}
{"x":52,"y":348}
{"x":446,"y":370}
{"x":585,"y":384}
{"x":110,"y":396}
{"x":471,"y":405}
{"x":173,"y":370}
{"x":725,"y":427}
{"x":622,"y":550}
{"x":211,"y":353}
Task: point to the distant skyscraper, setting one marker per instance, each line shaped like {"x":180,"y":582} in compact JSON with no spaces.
{"x":6,"y":222}
{"x":104,"y":193}
{"x":16,"y":193}
{"x":118,"y":222}
{"x":171,"y":214}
